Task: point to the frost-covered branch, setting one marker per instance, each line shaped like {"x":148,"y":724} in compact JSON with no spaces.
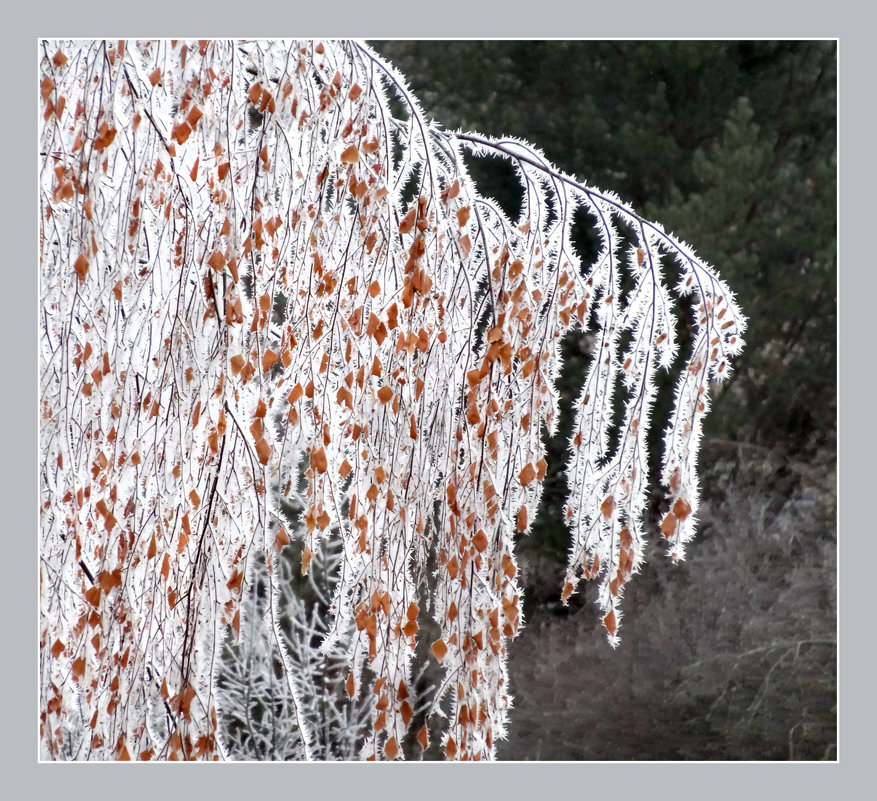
{"x":268,"y":281}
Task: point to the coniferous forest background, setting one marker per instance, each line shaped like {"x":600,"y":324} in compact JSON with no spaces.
{"x":731,"y":654}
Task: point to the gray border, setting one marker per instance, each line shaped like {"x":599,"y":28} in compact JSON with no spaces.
{"x":469,"y":19}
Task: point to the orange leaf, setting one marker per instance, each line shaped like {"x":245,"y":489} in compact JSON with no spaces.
{"x":681,"y":509}
{"x":522,"y":519}
{"x":235,"y":583}
{"x":46,"y":86}
{"x":408,"y":221}
{"x":306,"y":557}
{"x":181,"y":132}
{"x":668,"y":526}
{"x":526,"y":475}
{"x":350,"y":155}
{"x":439,"y":649}
{"x":81,"y":267}
{"x":282,"y":539}
{"x":319,"y":461}
{"x":217,"y":261}
{"x":155,"y":76}
{"x":423,"y":737}
{"x":268,"y":359}
{"x":194,"y":115}
{"x":384,"y":394}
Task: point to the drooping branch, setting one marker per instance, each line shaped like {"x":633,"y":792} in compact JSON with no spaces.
{"x":256,"y":270}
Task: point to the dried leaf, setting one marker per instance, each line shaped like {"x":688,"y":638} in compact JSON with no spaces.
{"x":439,"y":649}
{"x":306,"y":557}
{"x":319,"y":461}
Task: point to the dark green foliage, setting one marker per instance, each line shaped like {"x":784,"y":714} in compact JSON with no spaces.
{"x":732,"y":145}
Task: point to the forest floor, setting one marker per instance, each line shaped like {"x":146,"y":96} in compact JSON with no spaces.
{"x":729,"y":655}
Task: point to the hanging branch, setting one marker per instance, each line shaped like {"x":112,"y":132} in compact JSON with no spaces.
{"x":255,"y":271}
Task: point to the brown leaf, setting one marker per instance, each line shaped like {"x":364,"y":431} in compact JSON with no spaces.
{"x":385,"y":394}
{"x":668,"y":526}
{"x":526,"y":475}
{"x":439,"y":649}
{"x":263,"y":450}
{"x":319,"y":461}
{"x":282,"y":539}
{"x":81,"y":267}
{"x":235,"y":582}
{"x":681,"y":509}
{"x":480,"y":541}
{"x":269,"y":358}
{"x":423,"y":737}
{"x":306,"y":557}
